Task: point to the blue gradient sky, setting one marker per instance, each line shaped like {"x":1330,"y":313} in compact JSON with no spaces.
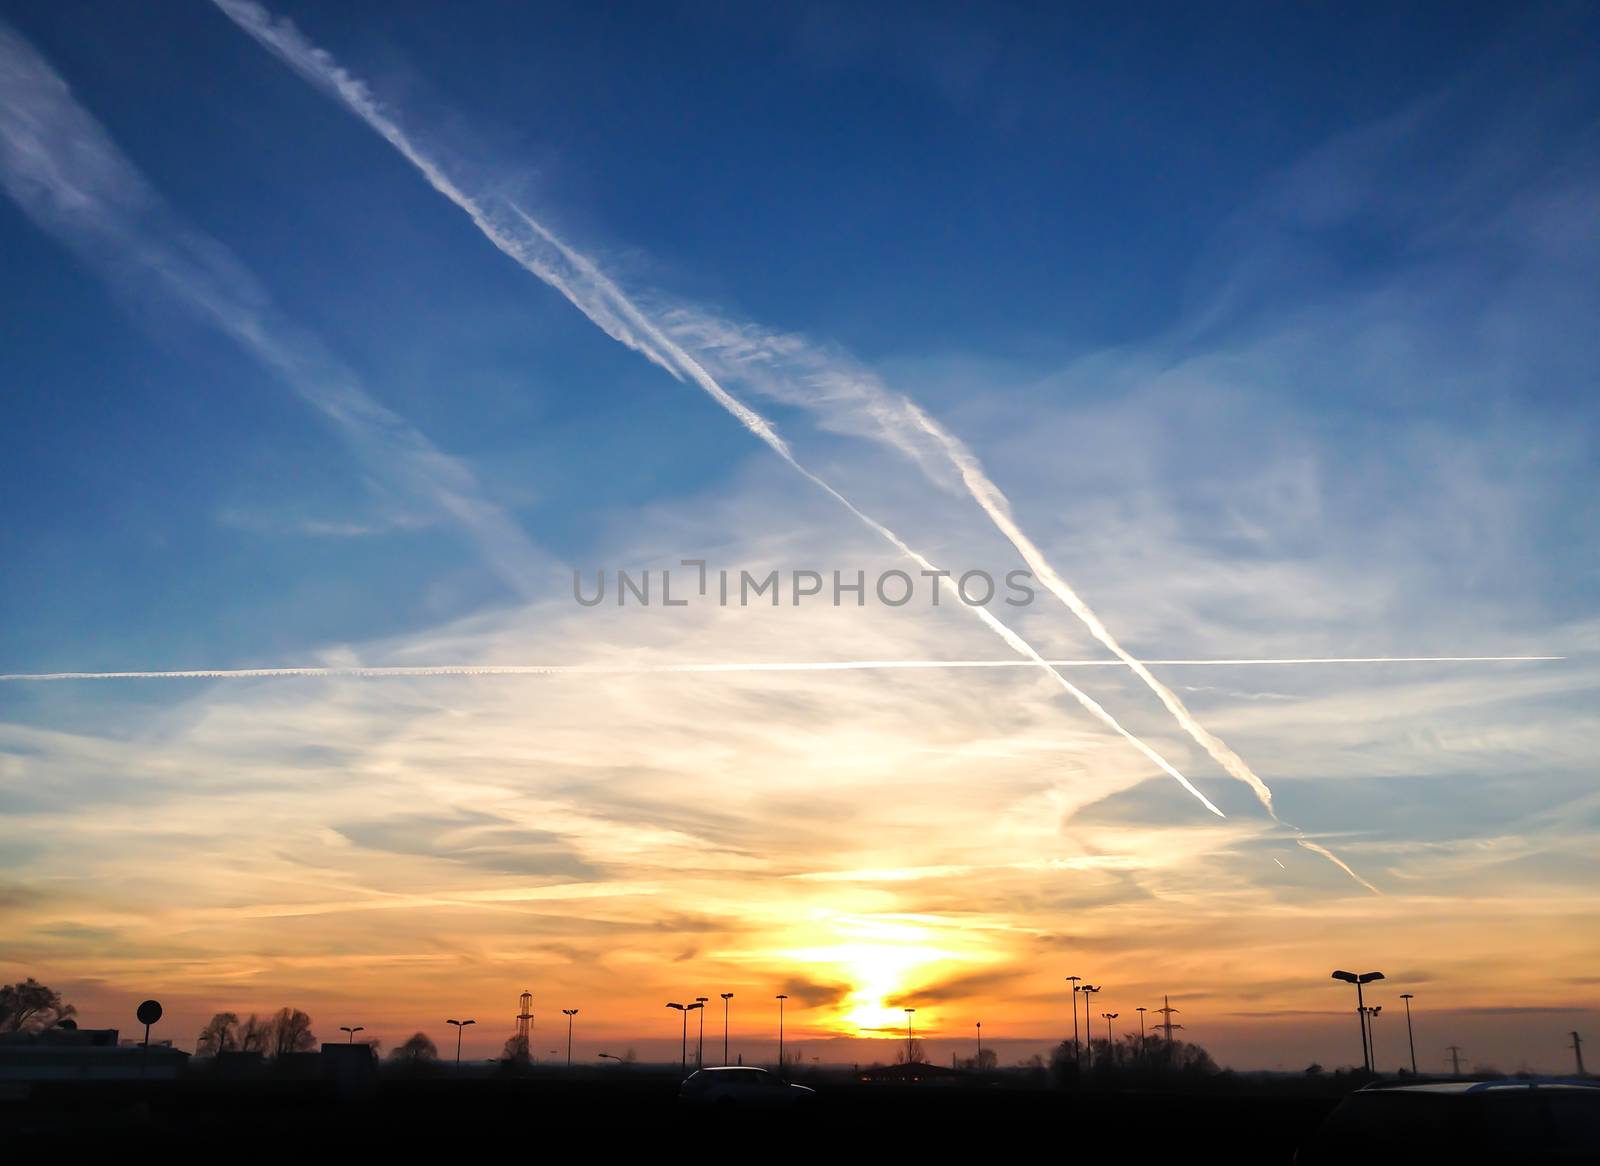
{"x":1276,"y":331}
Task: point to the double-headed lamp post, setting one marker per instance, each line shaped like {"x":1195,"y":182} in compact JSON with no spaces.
{"x":460,"y":1025}
{"x":1361,"y":1009}
{"x":1410,"y":1039}
{"x":1088,"y":990}
{"x":910,"y":1015}
{"x":569,"y":1013}
{"x":352,"y":1031}
{"x":726,"y":996}
{"x":684,"y":1047}
{"x":1111,"y":1042}
{"x":780,"y":998}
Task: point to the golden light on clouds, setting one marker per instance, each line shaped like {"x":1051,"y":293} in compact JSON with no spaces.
{"x":412,"y":848}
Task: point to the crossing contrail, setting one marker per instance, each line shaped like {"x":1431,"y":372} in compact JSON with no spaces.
{"x":536,"y":249}
{"x":792,"y":370}
{"x":532,"y":245}
{"x":378,"y":671}
{"x":997,"y":506}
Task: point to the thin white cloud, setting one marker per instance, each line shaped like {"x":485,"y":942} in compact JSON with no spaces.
{"x":540,"y":252}
{"x":380,"y":671}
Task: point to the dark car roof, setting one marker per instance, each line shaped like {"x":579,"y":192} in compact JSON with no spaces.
{"x":729,"y":1069}
{"x":1458,"y":1088}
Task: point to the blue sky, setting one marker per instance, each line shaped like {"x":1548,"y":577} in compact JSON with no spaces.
{"x":1025,"y":191}
{"x":1275,"y":331}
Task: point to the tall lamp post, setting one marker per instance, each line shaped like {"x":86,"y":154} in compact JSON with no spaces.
{"x":1076,"y":1054}
{"x":1088,"y":990}
{"x":685,"y":1009}
{"x":726,"y":996}
{"x":1111,"y":1041}
{"x":352,"y":1031}
{"x":700,"y":1044}
{"x":460,"y":1026}
{"x":780,"y":998}
{"x":1411,"y":1040}
{"x":979,"y":1064}
{"x":1372,"y":1040}
{"x":1361,"y":1009}
{"x":1141,"y":1012}
{"x":910,"y":1014}
{"x":569,"y":1013}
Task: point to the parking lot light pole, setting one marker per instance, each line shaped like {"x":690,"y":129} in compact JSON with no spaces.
{"x":1411,"y":1040}
{"x":1361,"y":1009}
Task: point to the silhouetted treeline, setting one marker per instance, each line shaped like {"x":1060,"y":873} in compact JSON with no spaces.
{"x":286,"y":1031}
{"x":1131,"y":1056}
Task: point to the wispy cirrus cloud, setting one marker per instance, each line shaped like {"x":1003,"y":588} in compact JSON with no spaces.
{"x":69,"y":177}
{"x":537,"y":249}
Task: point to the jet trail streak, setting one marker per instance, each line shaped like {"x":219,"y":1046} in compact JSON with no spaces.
{"x":537,"y":249}
{"x":399,"y":670}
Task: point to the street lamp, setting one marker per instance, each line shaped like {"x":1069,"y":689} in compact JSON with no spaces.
{"x":569,"y":1013}
{"x":979,"y":1064}
{"x":910,"y":1012}
{"x":1141,"y":1012}
{"x":1088,"y":1037}
{"x":352,"y":1031}
{"x":1361,"y":1015}
{"x":700,"y":1045}
{"x":609,"y":1057}
{"x":1410,"y":1039}
{"x":780,"y":998}
{"x":1372,"y":1040}
{"x":684,"y":1048}
{"x":726,"y":996}
{"x":1076,"y":1055}
{"x":1111,"y":1043}
{"x":460,"y":1024}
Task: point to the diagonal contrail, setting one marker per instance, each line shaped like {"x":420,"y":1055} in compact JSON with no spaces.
{"x":543,"y":254}
{"x":378,"y":671}
{"x":788,"y":368}
{"x":998,"y":507}
{"x":538,"y":250}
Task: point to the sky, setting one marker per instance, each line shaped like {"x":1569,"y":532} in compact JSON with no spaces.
{"x":346,"y":338}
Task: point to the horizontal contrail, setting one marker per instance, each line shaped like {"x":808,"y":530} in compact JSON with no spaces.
{"x":380,"y":671}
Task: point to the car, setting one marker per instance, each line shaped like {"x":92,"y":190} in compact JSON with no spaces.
{"x":1500,"y":1121}
{"x":738,"y":1087}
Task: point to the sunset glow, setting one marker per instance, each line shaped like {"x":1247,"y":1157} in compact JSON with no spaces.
{"x":348,"y":361}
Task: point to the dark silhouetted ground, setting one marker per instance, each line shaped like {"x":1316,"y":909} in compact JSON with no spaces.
{"x":635,"y":1113}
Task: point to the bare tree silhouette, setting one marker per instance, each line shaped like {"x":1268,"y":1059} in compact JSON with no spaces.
{"x":290,"y":1032}
{"x":254,"y":1035}
{"x":220,"y":1035}
{"x":919,"y":1054}
{"x":29,"y":1006}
